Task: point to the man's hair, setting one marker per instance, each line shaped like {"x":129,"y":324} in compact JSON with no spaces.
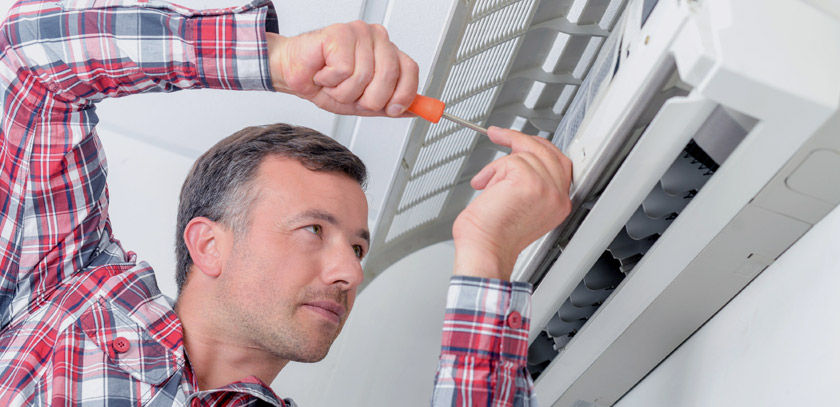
{"x":220,"y":185}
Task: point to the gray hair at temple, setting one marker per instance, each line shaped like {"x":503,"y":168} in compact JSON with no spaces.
{"x":220,"y":184}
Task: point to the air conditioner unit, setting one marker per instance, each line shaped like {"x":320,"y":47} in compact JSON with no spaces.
{"x":705,"y":138}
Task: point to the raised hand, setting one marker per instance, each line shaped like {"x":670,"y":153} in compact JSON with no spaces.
{"x":349,"y":68}
{"x":526,"y":194}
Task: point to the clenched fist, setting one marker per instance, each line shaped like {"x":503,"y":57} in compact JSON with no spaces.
{"x":345,"y":68}
{"x":525,"y":195}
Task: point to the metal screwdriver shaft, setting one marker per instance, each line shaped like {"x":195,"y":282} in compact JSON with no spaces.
{"x":462,"y":122}
{"x":431,"y":109}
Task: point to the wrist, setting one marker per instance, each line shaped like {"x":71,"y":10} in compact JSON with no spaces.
{"x":484,"y":262}
{"x":275,"y":44}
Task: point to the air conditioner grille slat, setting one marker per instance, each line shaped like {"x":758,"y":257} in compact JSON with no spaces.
{"x":679,"y":184}
{"x":443,"y":150}
{"x":436,"y":180}
{"x":487,"y":49}
{"x":502,"y":25}
{"x":418,"y":215}
{"x":476,"y":74}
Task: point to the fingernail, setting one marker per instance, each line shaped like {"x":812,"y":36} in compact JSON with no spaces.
{"x":395,"y":110}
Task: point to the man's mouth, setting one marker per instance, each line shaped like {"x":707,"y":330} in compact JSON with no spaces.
{"x":331,"y":311}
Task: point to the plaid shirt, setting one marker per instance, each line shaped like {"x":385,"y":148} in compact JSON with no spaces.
{"x":81,"y":320}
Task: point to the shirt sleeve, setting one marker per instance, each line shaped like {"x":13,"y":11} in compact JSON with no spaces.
{"x":57,"y":59}
{"x":485,"y":344}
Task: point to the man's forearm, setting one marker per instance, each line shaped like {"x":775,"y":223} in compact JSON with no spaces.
{"x":87,"y":54}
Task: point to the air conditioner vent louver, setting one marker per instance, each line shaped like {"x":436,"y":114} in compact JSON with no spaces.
{"x":680,"y":183}
{"x":484,"y":71}
{"x":504,"y":47}
{"x":490,"y":29}
{"x":443,"y":151}
{"x":417,"y":214}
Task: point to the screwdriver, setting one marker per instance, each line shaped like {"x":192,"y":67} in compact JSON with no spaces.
{"x":431,"y":109}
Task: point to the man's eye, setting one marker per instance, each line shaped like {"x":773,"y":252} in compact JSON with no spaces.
{"x":359,"y":251}
{"x":316,"y":229}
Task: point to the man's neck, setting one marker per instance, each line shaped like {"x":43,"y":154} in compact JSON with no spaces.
{"x":217,"y":357}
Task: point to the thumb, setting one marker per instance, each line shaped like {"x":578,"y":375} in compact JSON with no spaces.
{"x":480,"y":180}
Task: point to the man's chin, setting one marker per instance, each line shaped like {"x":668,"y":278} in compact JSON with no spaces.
{"x":312,"y":355}
{"x":309,"y":343}
{"x":311,"y":360}
{"x":315,"y":349}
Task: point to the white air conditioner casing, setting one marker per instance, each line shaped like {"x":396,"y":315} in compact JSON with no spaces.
{"x":630,"y":86}
{"x":774,"y":63}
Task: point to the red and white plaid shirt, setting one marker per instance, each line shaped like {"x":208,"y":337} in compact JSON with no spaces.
{"x":81,"y":321}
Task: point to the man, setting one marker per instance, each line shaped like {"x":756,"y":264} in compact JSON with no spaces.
{"x":272,"y":220}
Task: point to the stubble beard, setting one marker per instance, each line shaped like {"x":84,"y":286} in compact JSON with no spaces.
{"x":283,"y":329}
{"x":291,"y":341}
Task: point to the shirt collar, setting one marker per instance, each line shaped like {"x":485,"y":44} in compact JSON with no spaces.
{"x":251,"y":386}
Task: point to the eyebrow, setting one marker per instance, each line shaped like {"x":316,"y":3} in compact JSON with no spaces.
{"x":329,"y":218}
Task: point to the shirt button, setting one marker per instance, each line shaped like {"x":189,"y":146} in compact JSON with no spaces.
{"x":122,"y":345}
{"x":514,"y":320}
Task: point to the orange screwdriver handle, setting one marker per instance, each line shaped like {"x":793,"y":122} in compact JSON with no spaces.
{"x":428,"y":108}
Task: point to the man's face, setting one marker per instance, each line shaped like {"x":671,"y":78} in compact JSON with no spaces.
{"x":290,"y":280}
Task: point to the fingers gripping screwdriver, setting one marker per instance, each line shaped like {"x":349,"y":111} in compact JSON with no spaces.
{"x":431,"y":109}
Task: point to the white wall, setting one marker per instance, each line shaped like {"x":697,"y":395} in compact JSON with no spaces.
{"x":775,"y":344}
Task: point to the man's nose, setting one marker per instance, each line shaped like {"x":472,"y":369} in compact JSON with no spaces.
{"x":344,"y":268}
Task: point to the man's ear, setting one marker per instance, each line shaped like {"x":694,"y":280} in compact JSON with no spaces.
{"x":204,"y":239}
